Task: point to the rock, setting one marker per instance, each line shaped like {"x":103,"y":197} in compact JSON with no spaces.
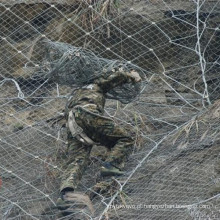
{"x":18,"y":127}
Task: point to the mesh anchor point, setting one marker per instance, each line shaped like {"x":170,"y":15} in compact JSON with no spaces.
{"x":20,"y":95}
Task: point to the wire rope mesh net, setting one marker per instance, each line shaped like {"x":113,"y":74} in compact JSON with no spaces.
{"x":70,"y":65}
{"x":173,"y":171}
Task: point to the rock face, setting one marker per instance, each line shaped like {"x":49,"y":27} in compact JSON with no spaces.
{"x":156,"y":36}
{"x":181,"y":172}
